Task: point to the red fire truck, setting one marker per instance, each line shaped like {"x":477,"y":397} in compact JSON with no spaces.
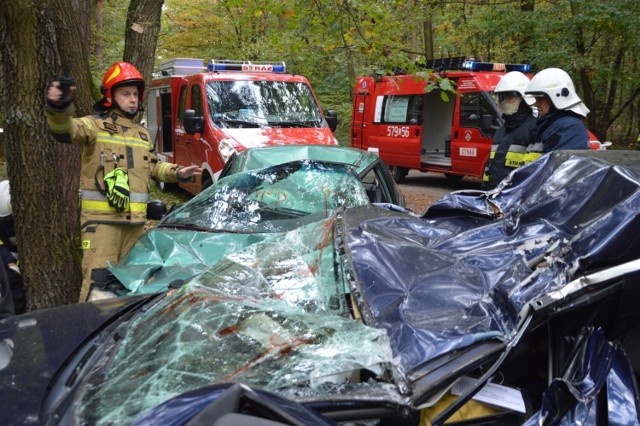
{"x":412,"y":129}
{"x":202,"y":116}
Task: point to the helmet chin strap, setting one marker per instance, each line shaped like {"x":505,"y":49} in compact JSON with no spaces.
{"x":125,"y":112}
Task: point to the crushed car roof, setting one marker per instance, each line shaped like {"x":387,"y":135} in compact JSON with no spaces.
{"x":467,"y":273}
{"x":261,"y":157}
{"x":437,"y":294}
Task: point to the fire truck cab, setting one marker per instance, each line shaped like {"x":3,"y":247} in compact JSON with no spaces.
{"x":411,"y":128}
{"x":202,"y":116}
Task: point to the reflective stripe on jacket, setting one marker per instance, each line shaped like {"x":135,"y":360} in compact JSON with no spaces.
{"x":509,"y":147}
{"x":108,"y":141}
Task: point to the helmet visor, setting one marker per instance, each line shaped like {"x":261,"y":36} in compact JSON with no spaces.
{"x":532,"y":98}
{"x":507,"y":96}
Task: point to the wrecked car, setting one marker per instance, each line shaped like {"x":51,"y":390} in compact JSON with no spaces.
{"x":513,"y":306}
{"x":262,"y":193}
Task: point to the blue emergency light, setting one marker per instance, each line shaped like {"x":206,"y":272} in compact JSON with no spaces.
{"x":246,"y":66}
{"x":491,"y":66}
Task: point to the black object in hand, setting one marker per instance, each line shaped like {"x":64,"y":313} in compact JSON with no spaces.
{"x":66,"y":81}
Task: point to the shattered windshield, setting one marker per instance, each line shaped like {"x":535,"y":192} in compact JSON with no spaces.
{"x":241,"y":104}
{"x":274,"y":315}
{"x":446,"y":293}
{"x":272,"y":199}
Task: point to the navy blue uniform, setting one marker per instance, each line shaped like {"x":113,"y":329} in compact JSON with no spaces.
{"x":509,"y":146}
{"x":557,"y":130}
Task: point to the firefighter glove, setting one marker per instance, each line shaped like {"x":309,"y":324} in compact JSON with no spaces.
{"x":117,"y":183}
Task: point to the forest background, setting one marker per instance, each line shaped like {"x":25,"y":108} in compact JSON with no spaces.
{"x":328,"y":41}
{"x":332,"y":42}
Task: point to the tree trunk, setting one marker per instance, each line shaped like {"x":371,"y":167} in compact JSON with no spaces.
{"x":588,"y":95}
{"x":73,"y":50}
{"x":99,"y":43}
{"x":141,"y":34}
{"x":48,"y":256}
{"x":427,"y":29}
{"x":82,"y":8}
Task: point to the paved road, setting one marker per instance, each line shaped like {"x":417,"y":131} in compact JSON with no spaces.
{"x":421,"y":189}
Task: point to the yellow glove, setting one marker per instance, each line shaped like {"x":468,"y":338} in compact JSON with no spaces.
{"x":117,"y":183}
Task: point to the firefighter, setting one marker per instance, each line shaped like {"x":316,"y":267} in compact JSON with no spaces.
{"x":561,"y":114}
{"x":118,"y":162}
{"x":512,"y":138}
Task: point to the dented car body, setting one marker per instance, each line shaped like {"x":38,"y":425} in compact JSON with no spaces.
{"x":515,"y":306}
{"x":262,"y":193}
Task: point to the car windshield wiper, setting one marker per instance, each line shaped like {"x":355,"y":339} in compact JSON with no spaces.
{"x":286,"y":124}
{"x":244,"y":123}
{"x":284,"y":211}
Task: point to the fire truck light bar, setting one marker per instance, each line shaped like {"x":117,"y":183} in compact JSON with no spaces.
{"x":491,"y":66}
{"x":246,"y":66}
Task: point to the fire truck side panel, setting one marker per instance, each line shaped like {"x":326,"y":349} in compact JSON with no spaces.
{"x":397,"y":138}
{"x":358,"y":127}
{"x":182,"y":140}
{"x":470,"y":143}
{"x":417,"y":130}
{"x":387,"y":122}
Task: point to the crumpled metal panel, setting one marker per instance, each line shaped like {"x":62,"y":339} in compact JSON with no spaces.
{"x":165,"y":256}
{"x":464,"y":271}
{"x":236,"y":212}
{"x":600,"y":372}
{"x":273,"y":315}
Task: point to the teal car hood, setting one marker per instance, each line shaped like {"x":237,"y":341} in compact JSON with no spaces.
{"x":236,"y":212}
{"x":259,"y":158}
{"x":163,"y":257}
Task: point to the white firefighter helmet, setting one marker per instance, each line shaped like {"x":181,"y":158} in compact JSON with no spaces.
{"x":5,"y":199}
{"x":558,"y":86}
{"x":513,"y":81}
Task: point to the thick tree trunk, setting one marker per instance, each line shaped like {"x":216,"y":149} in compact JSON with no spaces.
{"x":72,"y":35}
{"x":48,"y":255}
{"x":141,"y":35}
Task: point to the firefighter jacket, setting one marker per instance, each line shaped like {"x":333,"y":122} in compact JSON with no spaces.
{"x":509,"y":146}
{"x":557,"y":130}
{"x":108,"y":141}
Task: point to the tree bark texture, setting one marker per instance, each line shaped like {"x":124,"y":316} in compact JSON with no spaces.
{"x":141,"y":35}
{"x":98,"y":42}
{"x":427,"y":30}
{"x":48,"y":256}
{"x":72,"y":34}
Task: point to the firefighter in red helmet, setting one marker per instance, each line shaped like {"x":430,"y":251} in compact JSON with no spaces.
{"x":118,"y":162}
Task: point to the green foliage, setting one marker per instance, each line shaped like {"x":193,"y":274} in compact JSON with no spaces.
{"x":111,"y":37}
{"x":333,"y":42}
{"x":173,"y":195}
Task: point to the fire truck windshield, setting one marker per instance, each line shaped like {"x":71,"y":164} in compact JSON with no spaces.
{"x":241,"y":104}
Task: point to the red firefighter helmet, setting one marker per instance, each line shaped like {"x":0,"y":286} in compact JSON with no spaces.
{"x":121,"y":73}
